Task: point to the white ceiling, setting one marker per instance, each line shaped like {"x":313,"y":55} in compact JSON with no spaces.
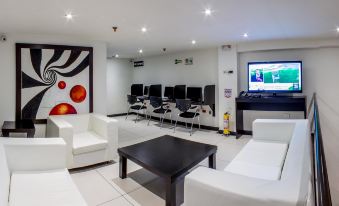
{"x":171,"y":23}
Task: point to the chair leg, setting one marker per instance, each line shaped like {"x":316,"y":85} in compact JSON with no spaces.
{"x":136,"y":119}
{"x":175,"y":125}
{"x":192,"y":127}
{"x":171,"y":117}
{"x":162,"y":121}
{"x":199,"y":122}
{"x":149,"y":120}
{"x":127,"y":113}
{"x":186,"y":123}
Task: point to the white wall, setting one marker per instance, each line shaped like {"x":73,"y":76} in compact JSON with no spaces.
{"x":227,"y":61}
{"x":7,"y":70}
{"x":119,"y":80}
{"x":320,"y":75}
{"x":162,"y":70}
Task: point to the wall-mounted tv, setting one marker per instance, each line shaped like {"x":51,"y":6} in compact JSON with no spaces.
{"x":275,"y":77}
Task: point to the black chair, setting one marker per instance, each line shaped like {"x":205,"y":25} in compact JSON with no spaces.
{"x":135,"y":104}
{"x":184,"y":105}
{"x":160,"y":108}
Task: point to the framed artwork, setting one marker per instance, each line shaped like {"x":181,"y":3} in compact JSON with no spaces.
{"x":53,"y":80}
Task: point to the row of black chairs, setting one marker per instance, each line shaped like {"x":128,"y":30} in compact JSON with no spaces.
{"x":186,"y":110}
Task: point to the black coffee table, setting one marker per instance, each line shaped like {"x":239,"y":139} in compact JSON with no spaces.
{"x":170,"y":158}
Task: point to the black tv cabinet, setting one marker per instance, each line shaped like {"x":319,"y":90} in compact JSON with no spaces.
{"x":271,"y":103}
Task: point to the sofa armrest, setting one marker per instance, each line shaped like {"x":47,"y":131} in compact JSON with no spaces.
{"x":205,"y":186}
{"x":57,"y":127}
{"x":35,"y":154}
{"x":279,"y":130}
{"x":106,"y":128}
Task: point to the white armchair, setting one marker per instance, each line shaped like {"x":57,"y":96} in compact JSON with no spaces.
{"x":33,"y":173}
{"x":90,"y":138}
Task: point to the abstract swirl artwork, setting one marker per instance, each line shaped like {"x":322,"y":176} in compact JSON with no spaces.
{"x":53,"y":80}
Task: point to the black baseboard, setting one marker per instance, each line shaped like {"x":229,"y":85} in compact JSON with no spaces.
{"x":231,"y":133}
{"x":181,"y":123}
{"x":117,"y":115}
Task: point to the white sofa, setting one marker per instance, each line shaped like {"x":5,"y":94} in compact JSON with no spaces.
{"x":90,"y":138}
{"x":272,"y":169}
{"x":33,"y":173}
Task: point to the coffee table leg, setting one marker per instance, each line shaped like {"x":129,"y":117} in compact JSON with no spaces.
{"x":212,"y":161}
{"x":123,"y":167}
{"x":171,"y":193}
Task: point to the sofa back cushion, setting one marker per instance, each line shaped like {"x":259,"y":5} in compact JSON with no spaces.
{"x":4,"y":177}
{"x":273,"y":130}
{"x":80,"y":122}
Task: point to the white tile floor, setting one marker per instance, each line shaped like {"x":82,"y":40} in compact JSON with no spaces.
{"x":102,"y":185}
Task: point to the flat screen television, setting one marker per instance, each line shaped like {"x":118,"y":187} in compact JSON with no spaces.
{"x":275,"y":77}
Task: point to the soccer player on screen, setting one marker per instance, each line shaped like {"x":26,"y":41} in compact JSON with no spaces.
{"x":258,"y":76}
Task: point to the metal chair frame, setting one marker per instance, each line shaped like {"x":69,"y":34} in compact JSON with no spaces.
{"x":183,"y":106}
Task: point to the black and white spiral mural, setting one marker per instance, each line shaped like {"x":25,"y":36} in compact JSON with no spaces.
{"x":53,"y":80}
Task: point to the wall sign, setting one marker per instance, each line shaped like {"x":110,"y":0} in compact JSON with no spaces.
{"x":228,"y":93}
{"x":189,"y":61}
{"x":138,"y":63}
{"x":53,"y":80}
{"x":177,"y":61}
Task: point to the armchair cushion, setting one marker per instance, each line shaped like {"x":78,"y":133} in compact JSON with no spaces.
{"x":41,"y":188}
{"x":88,"y":142}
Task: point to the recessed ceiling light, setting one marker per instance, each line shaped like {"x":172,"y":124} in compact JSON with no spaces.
{"x":338,"y":29}
{"x":245,"y":35}
{"x":69,"y":16}
{"x":116,"y":56}
{"x":143,"y":29}
{"x":208,"y":12}
{"x":194,"y":42}
{"x":140,"y":51}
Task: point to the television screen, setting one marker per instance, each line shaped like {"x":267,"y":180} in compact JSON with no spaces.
{"x":275,"y":77}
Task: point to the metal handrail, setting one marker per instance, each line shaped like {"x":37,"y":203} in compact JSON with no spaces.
{"x":320,"y":175}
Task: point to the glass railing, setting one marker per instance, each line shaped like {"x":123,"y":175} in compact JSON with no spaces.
{"x":321,"y":186}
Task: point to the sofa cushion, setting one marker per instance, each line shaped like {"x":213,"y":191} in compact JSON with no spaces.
{"x":259,"y":159}
{"x":254,"y":170}
{"x":88,"y":142}
{"x":52,"y":188}
{"x":4,"y":177}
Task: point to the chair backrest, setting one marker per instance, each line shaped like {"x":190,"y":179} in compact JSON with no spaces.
{"x":183,"y":104}
{"x":155,"y":101}
{"x":80,"y":122}
{"x":4,"y":177}
{"x":131,"y":99}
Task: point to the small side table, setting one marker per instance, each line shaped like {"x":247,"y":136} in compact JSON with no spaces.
{"x":23,"y":126}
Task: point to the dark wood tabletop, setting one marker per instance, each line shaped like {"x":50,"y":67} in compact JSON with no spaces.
{"x":168,"y":157}
{"x":22,"y":126}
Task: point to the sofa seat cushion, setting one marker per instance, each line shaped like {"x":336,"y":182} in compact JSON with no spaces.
{"x":260,"y":159}
{"x":52,"y":188}
{"x":88,"y":142}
